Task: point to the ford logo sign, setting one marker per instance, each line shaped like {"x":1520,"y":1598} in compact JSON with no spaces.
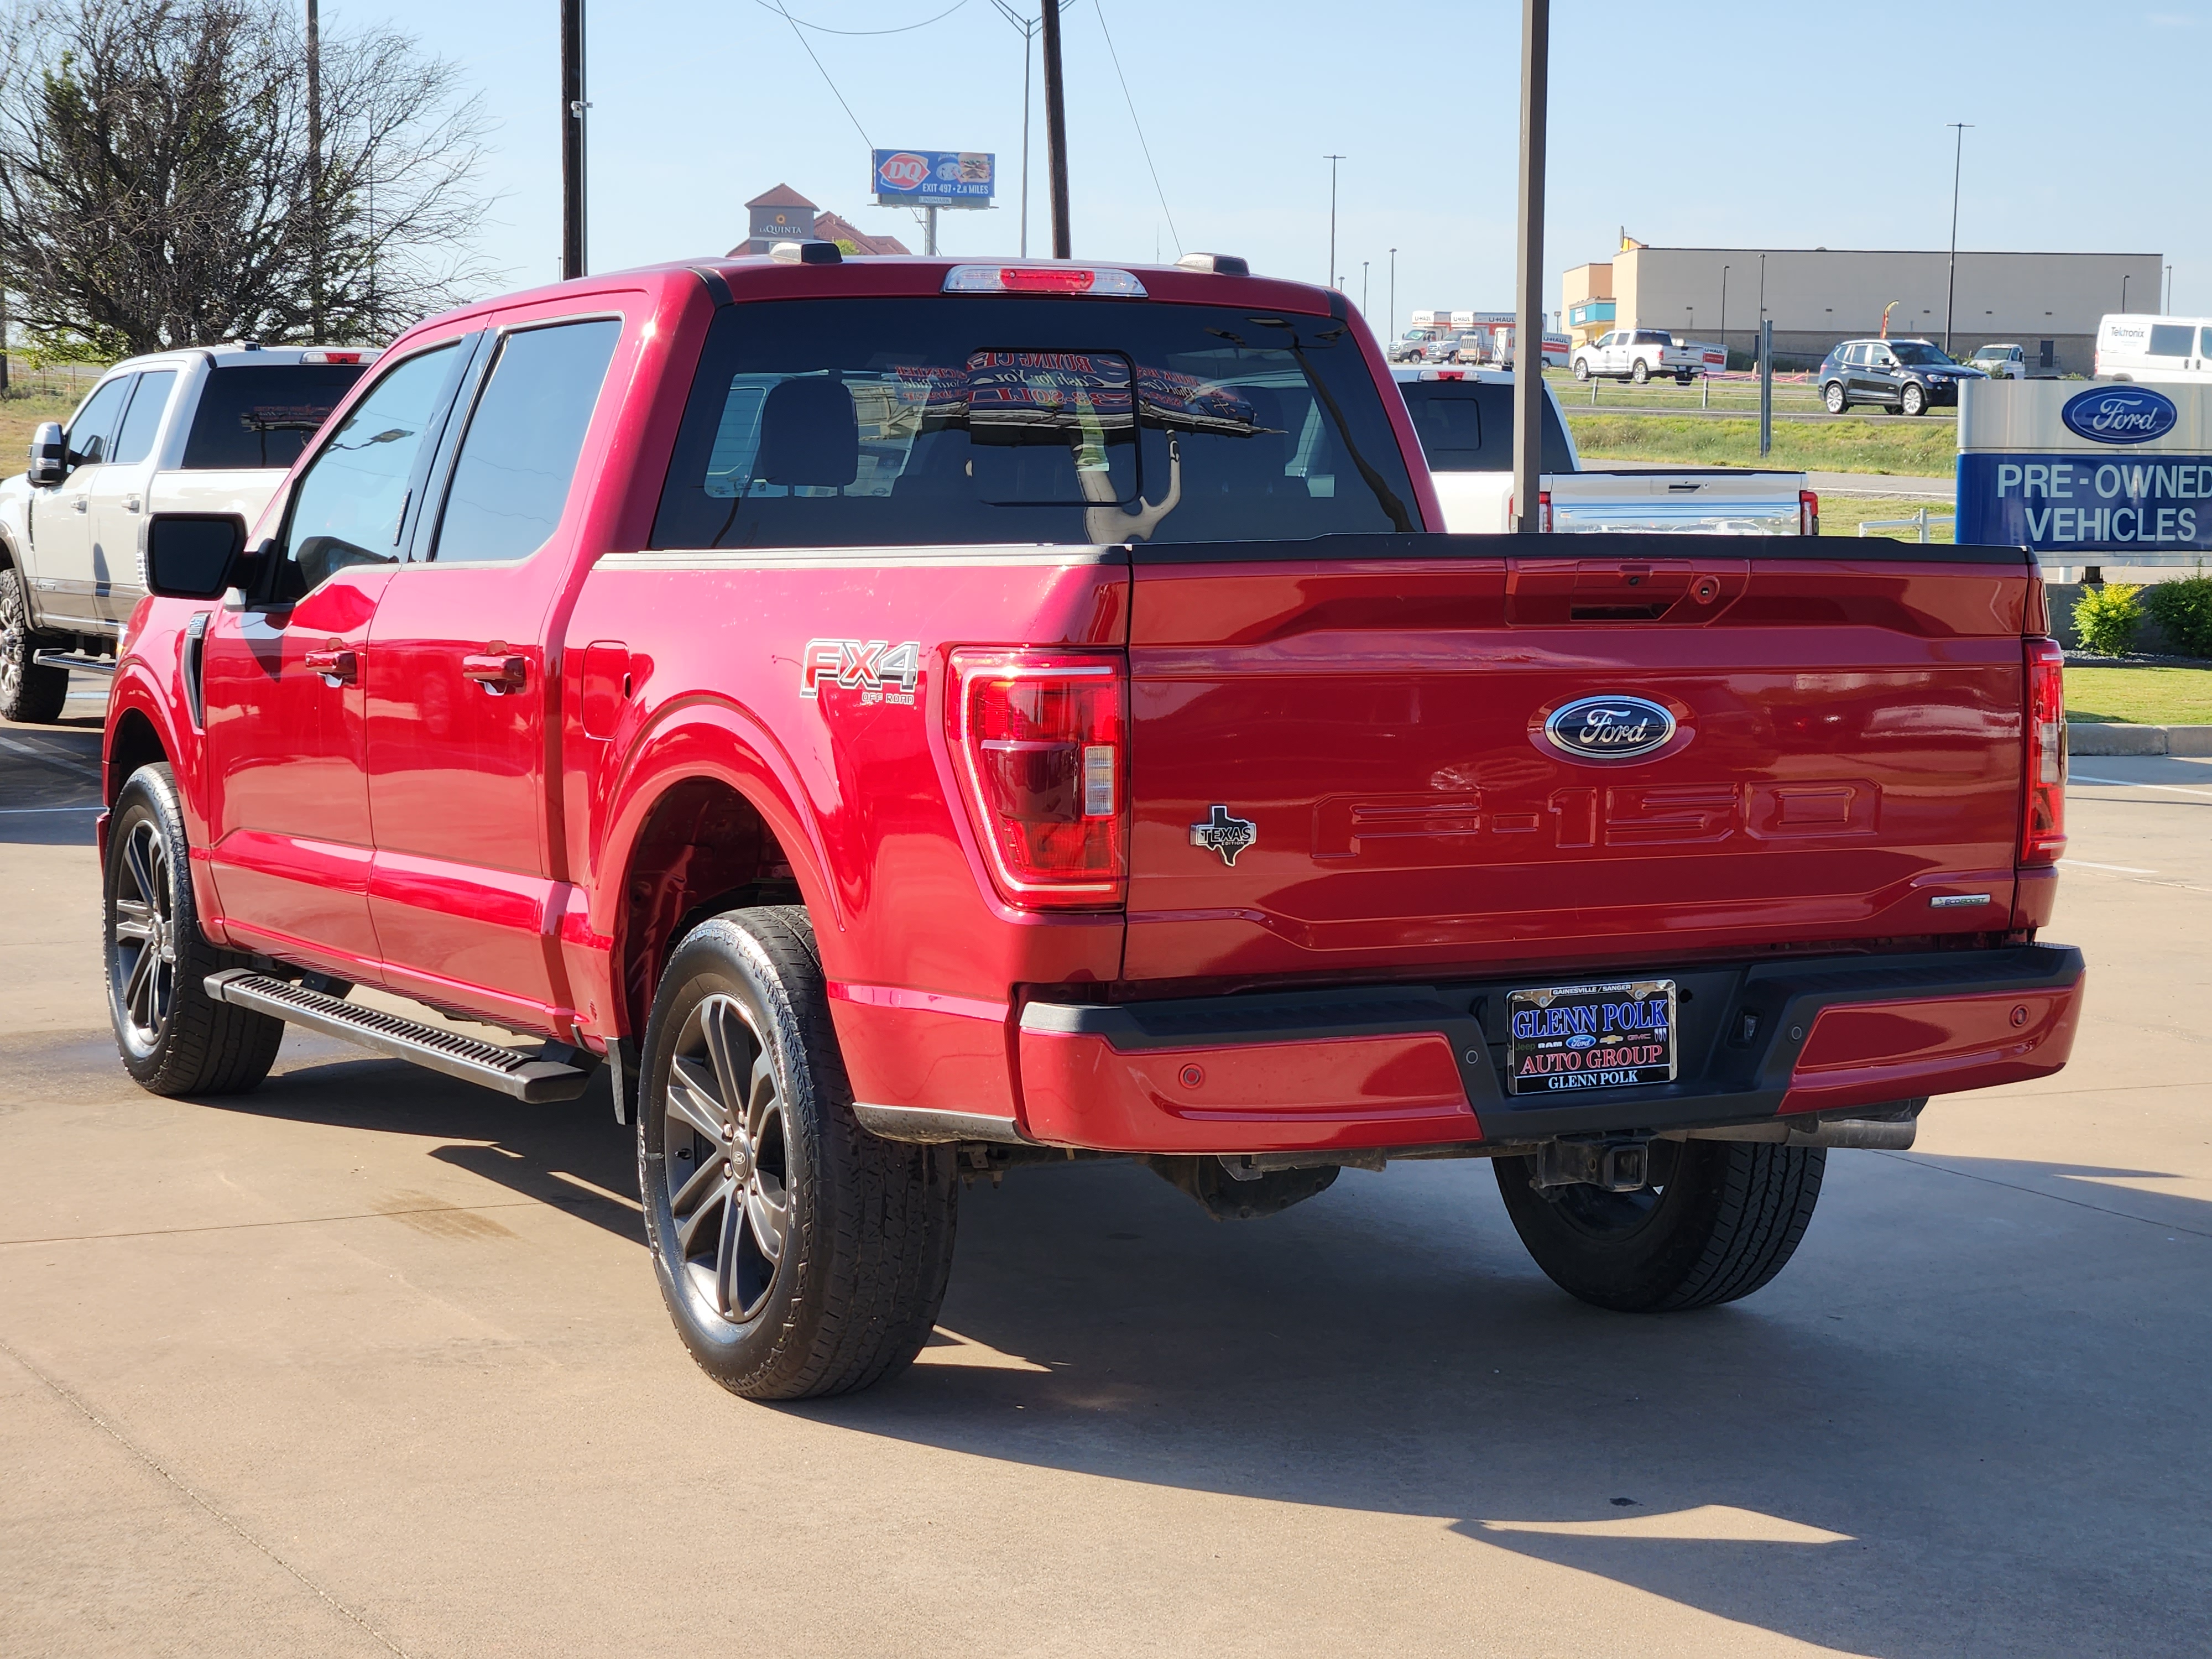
{"x":2120,"y":415}
{"x":1609,"y":728}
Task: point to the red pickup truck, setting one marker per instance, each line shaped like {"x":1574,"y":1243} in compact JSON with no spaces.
{"x":914,"y":720}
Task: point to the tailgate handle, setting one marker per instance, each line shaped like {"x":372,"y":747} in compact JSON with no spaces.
{"x":496,"y":673}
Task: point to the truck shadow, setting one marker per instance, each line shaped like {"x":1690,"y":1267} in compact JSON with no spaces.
{"x":1969,"y":1417}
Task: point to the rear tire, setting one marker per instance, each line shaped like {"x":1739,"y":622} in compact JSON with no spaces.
{"x":174,"y":1038}
{"x":1727,"y":1218}
{"x":28,"y":692}
{"x":798,"y":1253}
{"x":1832,"y":396}
{"x":1912,"y":400}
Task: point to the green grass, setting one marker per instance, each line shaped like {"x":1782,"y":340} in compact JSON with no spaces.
{"x":18,"y":414}
{"x":1790,"y":397}
{"x":2140,"y":696}
{"x":1841,"y":515}
{"x":1929,"y":451}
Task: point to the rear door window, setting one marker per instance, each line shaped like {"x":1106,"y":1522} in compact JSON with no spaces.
{"x":262,"y":414}
{"x":964,"y":420}
{"x":135,"y":442}
{"x":512,"y":478}
{"x":2169,"y":339}
{"x":1466,"y":425}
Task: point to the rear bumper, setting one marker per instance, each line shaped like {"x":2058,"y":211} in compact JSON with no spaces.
{"x":1408,"y":1066}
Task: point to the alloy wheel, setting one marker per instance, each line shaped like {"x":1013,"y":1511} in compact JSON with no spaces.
{"x":142,"y":947}
{"x":725,"y":1150}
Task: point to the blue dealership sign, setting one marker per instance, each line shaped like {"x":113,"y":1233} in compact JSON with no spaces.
{"x":2120,"y":415}
{"x":2114,"y":473}
{"x":934,"y":178}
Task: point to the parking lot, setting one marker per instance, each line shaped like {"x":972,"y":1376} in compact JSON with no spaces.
{"x":371,"y":1362}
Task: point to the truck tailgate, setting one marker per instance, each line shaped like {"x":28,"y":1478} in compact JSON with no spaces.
{"x":1847,"y":751}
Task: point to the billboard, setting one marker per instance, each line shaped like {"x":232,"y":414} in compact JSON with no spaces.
{"x":932,"y":178}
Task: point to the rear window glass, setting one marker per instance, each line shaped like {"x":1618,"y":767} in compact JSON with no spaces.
{"x":1466,"y":425}
{"x":977,"y":419}
{"x":264,"y":415}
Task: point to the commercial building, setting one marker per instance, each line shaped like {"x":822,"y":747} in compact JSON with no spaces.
{"x":783,"y":214}
{"x":2048,"y":302}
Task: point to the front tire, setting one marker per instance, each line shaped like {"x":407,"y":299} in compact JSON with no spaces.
{"x":174,"y":1038}
{"x":1641,"y":372}
{"x":1725,"y":1219}
{"x":1582,"y":368}
{"x":28,"y":691}
{"x":1833,"y":397}
{"x":798,"y":1253}
{"x":1912,"y":400}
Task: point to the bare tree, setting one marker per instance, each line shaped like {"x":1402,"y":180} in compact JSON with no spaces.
{"x":158,"y":188}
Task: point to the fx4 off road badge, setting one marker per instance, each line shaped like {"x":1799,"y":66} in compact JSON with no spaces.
{"x":880,"y":670}
{"x":1224,"y":835}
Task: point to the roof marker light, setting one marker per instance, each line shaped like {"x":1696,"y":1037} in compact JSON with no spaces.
{"x":1217,"y":265}
{"x":1044,"y":279}
{"x":807,"y":253}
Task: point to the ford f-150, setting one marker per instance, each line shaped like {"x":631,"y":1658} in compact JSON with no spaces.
{"x":912,"y":721}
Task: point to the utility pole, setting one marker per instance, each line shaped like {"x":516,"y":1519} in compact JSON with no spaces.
{"x":1393,"y":319}
{"x":1724,"y":271}
{"x":1332,"y":160}
{"x":573,"y":105}
{"x":2123,"y":290}
{"x":314,"y":172}
{"x":1762,"y":309}
{"x":1055,"y":132}
{"x":2166,"y":311}
{"x":1363,"y":284}
{"x":1951,"y":281}
{"x":1028,"y":27}
{"x":1529,"y":270}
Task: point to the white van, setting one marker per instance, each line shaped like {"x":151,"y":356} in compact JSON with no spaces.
{"x":2138,"y":348}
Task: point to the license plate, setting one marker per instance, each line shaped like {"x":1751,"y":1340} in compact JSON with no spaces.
{"x":1572,"y":1037}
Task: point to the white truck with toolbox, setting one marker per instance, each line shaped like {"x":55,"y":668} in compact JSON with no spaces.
{"x":1464,"y":419}
{"x":1645,"y":354}
{"x":200,"y":429}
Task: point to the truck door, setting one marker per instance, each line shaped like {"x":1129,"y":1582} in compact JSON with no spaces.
{"x":467,"y":889}
{"x":118,"y":497}
{"x":284,"y":680}
{"x":61,"y":518}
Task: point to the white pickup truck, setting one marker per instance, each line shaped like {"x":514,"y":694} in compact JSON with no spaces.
{"x":203,"y":429}
{"x":1639,"y":354}
{"x":1464,"y":419}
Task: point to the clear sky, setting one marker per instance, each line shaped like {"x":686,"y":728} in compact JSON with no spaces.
{"x":1716,"y":123}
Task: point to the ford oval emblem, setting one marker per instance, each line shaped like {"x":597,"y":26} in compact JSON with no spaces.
{"x":1609,"y":728}
{"x":2120,"y":415}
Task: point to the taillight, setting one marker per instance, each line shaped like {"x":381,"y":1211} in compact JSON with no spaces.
{"x":1808,"y":513}
{"x":2043,"y":821}
{"x":1041,"y":738}
{"x":1544,"y":511}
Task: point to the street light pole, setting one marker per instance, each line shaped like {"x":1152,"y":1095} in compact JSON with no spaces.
{"x":572,"y":106}
{"x":1055,"y":132}
{"x":1393,"y":319}
{"x":1529,"y":270}
{"x":1363,"y":284}
{"x":1724,"y":271}
{"x":1951,"y":282}
{"x":2123,"y":290}
{"x":1332,"y":160}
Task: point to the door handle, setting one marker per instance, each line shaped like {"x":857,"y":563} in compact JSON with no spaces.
{"x":76,"y":503}
{"x":337,"y":668}
{"x":130,"y":503}
{"x":498,"y":675}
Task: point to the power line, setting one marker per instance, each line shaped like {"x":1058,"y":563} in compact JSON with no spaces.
{"x":824,"y":29}
{"x":832,"y":85}
{"x":1099,"y":6}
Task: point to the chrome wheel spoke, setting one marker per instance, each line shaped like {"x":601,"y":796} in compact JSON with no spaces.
{"x":138,"y":866}
{"x":132,"y":921}
{"x":138,"y":989}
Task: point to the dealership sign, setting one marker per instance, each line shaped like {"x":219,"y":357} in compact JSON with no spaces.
{"x":2114,"y":474}
{"x":934,"y":178}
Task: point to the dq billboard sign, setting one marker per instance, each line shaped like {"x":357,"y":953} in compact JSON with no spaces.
{"x":2110,"y":473}
{"x":934,"y":178}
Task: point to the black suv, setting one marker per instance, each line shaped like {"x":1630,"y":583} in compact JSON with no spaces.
{"x":1906,"y":375}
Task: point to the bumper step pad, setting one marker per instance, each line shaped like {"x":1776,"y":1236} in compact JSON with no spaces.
{"x":511,"y":1073}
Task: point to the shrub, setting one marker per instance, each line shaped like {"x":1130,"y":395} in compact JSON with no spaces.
{"x":2184,"y":612}
{"x":2106,"y":619}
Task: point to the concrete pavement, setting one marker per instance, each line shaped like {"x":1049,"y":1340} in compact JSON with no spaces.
{"x":371,"y":1362}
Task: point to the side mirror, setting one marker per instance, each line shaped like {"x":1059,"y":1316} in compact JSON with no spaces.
{"x":194,"y":555}
{"x":49,"y":454}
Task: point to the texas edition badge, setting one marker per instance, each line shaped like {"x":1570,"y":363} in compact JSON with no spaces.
{"x":1222,"y":833}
